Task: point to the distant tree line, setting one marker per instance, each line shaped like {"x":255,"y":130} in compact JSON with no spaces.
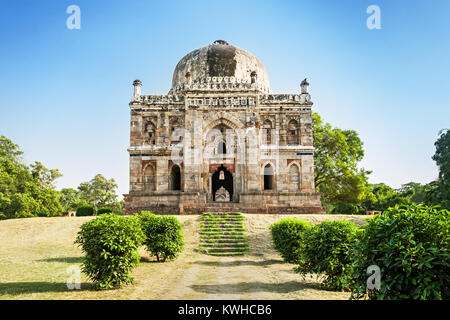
{"x":29,"y":190}
{"x":345,"y":188}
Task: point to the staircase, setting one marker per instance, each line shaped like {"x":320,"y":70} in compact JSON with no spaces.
{"x":223,"y":234}
{"x":230,"y":207}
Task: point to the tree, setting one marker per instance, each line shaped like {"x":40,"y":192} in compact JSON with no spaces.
{"x":381,"y":197}
{"x":9,"y":150}
{"x":337,"y":176}
{"x":416,"y":191}
{"x":99,"y":192}
{"x":439,"y":191}
{"x":24,"y":191}
{"x":43,"y":176}
{"x":70,"y":199}
{"x":442,"y":155}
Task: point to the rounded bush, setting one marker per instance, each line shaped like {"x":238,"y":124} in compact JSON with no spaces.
{"x":163,"y":235}
{"x":287,"y":236}
{"x":325,"y":250}
{"x":103,"y":211}
{"x":410,"y":244}
{"x":110,"y":243}
{"x":85,"y":211}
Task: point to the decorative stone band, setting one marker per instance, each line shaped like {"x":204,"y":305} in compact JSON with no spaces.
{"x":158,"y":99}
{"x":140,"y":155}
{"x":222,"y":101}
{"x":288,"y":147}
{"x":219,"y":84}
{"x":303,"y":99}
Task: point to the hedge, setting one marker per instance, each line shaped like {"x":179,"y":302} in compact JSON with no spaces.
{"x":84,"y":211}
{"x":410,"y":244}
{"x":326,"y":250}
{"x":287,"y":236}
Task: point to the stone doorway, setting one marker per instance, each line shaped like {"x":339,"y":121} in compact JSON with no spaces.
{"x":222,"y":178}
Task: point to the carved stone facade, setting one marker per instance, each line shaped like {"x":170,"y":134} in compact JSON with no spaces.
{"x":220,"y":131}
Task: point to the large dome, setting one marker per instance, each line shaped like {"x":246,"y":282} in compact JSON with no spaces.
{"x":220,"y":59}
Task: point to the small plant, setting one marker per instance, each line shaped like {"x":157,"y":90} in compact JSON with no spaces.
{"x":410,"y":244}
{"x":85,"y":211}
{"x":163,"y":235}
{"x":325,"y":250}
{"x":110,"y":243}
{"x":287,"y":236}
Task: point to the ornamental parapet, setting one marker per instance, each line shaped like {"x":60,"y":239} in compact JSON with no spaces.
{"x":219,"y":84}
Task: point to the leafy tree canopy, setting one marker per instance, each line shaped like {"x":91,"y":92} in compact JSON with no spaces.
{"x":337,"y":176}
{"x":25,"y":191}
{"x":100,"y":192}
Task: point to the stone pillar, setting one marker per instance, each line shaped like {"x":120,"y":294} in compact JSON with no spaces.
{"x":136,"y":129}
{"x":192,"y":155}
{"x":304,"y":86}
{"x":253,"y":174}
{"x":135,"y":174}
{"x":137,"y":89}
{"x":307,"y":173}
{"x":162,"y":174}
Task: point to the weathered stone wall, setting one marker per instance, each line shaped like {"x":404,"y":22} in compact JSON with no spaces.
{"x":228,"y":90}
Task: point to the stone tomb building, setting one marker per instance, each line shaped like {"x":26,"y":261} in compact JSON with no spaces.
{"x":221,"y":141}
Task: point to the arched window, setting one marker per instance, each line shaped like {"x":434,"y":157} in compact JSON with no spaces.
{"x":175,"y":178}
{"x":221,"y":148}
{"x":294,"y":177}
{"x":149,"y":178}
{"x":267,"y":132}
{"x":253,"y":77}
{"x":150,"y":129}
{"x":293,"y":132}
{"x":174,"y":134}
{"x":268,"y":177}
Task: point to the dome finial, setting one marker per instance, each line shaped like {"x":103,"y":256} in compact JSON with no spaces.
{"x":221,"y":42}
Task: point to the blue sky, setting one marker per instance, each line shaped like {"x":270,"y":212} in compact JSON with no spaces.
{"x":64,"y":93}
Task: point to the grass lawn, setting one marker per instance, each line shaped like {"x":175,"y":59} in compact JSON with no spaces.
{"x":35,"y":254}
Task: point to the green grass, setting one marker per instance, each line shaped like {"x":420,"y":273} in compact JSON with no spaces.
{"x":223,"y":234}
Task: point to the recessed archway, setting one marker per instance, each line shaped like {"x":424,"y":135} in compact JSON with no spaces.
{"x":175,"y":178}
{"x":222,"y":178}
{"x":268,"y":177}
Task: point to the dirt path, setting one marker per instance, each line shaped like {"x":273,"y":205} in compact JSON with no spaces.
{"x":37,"y":252}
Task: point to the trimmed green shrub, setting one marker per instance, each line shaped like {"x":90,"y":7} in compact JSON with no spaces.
{"x":287,"y":236}
{"x":85,"y":211}
{"x":410,"y":244}
{"x":325,"y":250}
{"x":103,"y":211}
{"x":110,"y":243}
{"x":163,"y":235}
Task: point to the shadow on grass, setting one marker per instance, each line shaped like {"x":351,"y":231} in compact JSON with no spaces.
{"x":64,"y":259}
{"x":15,"y":288}
{"x":145,"y":259}
{"x":252,"y":287}
{"x":239,"y":263}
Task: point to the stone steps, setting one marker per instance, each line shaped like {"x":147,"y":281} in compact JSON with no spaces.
{"x":223,"y":234}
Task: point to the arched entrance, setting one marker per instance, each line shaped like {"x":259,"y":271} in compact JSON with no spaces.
{"x":175,"y":178}
{"x":268,"y":177}
{"x":222,"y":178}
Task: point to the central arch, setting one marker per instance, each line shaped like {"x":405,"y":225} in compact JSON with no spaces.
{"x":222,"y":178}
